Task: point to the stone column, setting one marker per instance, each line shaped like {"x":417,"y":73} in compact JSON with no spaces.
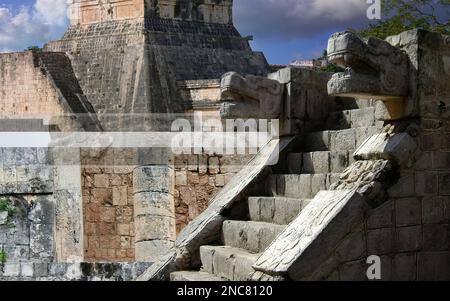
{"x":68,"y":205}
{"x":154,"y":210}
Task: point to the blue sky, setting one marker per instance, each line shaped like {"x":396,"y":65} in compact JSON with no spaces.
{"x":283,"y":29}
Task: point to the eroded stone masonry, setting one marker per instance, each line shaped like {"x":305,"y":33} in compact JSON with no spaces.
{"x":359,"y":167}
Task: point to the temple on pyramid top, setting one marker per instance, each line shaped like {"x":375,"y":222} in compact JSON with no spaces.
{"x":84,"y":12}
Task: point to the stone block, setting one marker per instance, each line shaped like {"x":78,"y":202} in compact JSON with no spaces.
{"x":153,"y":227}
{"x":382,"y":216}
{"x":362,"y":117}
{"x":11,"y":269}
{"x":344,"y":140}
{"x":107,"y":214}
{"x":295,"y":162}
{"x":3,"y":217}
{"x":151,"y":251}
{"x":230,"y":263}
{"x":339,"y":161}
{"x":316,"y":162}
{"x":220,"y":180}
{"x":120,"y":195}
{"x":405,"y":187}
{"x":252,"y":236}
{"x":441,"y":160}
{"x":381,"y":241}
{"x":433,"y":266}
{"x":26,"y":269}
{"x":40,"y":269}
{"x":409,"y":239}
{"x":426,"y":183}
{"x":423,"y":161}
{"x":102,"y":196}
{"x":434,"y":209}
{"x":353,"y":271}
{"x":353,"y":247}
{"x":444,"y":184}
{"x":153,"y":179}
{"x":318,"y":141}
{"x":57,"y":269}
{"x":101,"y":180}
{"x":154,"y":203}
{"x":181,"y":178}
{"x":436,"y":237}
{"x":42,"y":240}
{"x":213,"y":165}
{"x":399,"y":147}
{"x":404,"y":267}
{"x":42,"y":211}
{"x":123,"y":229}
{"x":318,"y":183}
{"x":408,"y":212}
{"x":295,"y":186}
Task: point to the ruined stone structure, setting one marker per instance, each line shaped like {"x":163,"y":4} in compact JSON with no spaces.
{"x":360,"y":165}
{"x":366,"y":178}
{"x":118,"y":63}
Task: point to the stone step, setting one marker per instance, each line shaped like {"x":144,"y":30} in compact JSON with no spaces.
{"x":300,"y":186}
{"x":276,"y":210}
{"x":341,"y":140}
{"x":194,"y":276}
{"x":319,"y":162}
{"x":252,"y":236}
{"x":351,"y":119}
{"x":233,"y":264}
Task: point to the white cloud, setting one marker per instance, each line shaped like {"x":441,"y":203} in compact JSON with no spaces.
{"x":35,"y":25}
{"x":291,"y":19}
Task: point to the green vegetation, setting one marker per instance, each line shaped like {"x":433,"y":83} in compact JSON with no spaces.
{"x":6,"y":205}
{"x":402,"y":15}
{"x":3,"y":257}
{"x":34,"y":49}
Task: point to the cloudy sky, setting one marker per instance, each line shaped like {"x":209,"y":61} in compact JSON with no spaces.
{"x":284,"y":29}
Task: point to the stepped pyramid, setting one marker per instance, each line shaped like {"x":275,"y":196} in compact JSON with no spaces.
{"x":129,"y":55}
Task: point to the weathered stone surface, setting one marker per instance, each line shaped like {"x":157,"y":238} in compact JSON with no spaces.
{"x":226,"y":262}
{"x":194,"y":276}
{"x":381,"y":241}
{"x":205,"y":228}
{"x":250,"y":97}
{"x":385,"y":68}
{"x":404,"y":267}
{"x":157,"y":178}
{"x":3,"y":217}
{"x":408,"y":212}
{"x":369,"y":178}
{"x":153,"y":203}
{"x":276,"y":210}
{"x":433,"y":266}
{"x":252,"y":236}
{"x":399,"y":147}
{"x":315,"y":233}
{"x":152,"y":250}
{"x":382,"y":216}
{"x":409,"y":239}
{"x":316,"y":162}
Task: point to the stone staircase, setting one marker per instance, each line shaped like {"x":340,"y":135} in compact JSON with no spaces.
{"x":305,"y":171}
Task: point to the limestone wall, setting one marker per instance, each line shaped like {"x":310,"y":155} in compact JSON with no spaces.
{"x":108,"y":207}
{"x":24,"y":88}
{"x":198,"y":178}
{"x":411,"y":232}
{"x":203,"y":95}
